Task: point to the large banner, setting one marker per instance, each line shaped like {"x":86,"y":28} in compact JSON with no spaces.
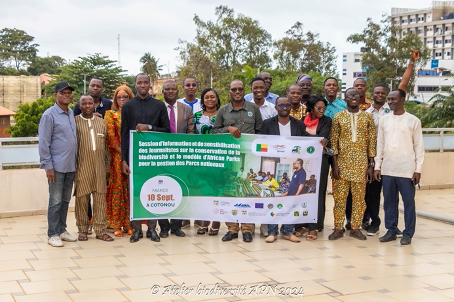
{"x":214,"y":177}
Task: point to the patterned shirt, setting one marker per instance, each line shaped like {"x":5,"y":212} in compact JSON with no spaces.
{"x":352,"y":157}
{"x":366,"y":105}
{"x":203,"y":124}
{"x":299,"y":113}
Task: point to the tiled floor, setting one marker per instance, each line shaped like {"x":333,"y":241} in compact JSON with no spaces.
{"x":325,"y":271}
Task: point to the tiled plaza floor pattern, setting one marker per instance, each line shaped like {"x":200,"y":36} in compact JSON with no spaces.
{"x":344,"y":270}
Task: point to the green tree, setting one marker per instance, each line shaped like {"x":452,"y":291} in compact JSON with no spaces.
{"x":8,"y":71}
{"x":50,"y":65}
{"x":233,"y":41}
{"x":150,"y":66}
{"x":16,"y":47}
{"x":300,"y":51}
{"x":95,"y":65}
{"x":387,"y":50}
{"x":440,"y":112}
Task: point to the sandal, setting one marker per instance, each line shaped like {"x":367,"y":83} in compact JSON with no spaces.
{"x":213,"y":232}
{"x":202,"y":230}
{"x":105,"y":237}
{"x":301,"y":232}
{"x":311,"y":236}
{"x":118,"y":233}
{"x":82,"y":236}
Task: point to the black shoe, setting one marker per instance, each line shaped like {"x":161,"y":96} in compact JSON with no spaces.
{"x":247,"y":237}
{"x":398,"y":233}
{"x":136,"y":236}
{"x":336,"y":234}
{"x":348,"y":226}
{"x":153,"y":235}
{"x":164,"y":234}
{"x":229,"y":236}
{"x":179,"y":233}
{"x":372,"y":230}
{"x":357,"y":234}
{"x":387,"y":237}
{"x":365,"y":226}
{"x":406,"y":240}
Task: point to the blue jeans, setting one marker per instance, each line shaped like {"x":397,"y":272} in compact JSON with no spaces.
{"x":286,"y":229}
{"x":391,"y":188}
{"x":59,"y":197}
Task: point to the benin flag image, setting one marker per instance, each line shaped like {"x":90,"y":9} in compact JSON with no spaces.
{"x":262,"y":148}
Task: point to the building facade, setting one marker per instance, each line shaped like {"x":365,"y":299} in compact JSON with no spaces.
{"x":16,"y":90}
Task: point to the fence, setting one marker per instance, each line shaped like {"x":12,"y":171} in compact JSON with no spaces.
{"x":23,"y":151}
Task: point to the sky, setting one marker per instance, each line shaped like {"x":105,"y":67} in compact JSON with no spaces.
{"x":73,"y":29}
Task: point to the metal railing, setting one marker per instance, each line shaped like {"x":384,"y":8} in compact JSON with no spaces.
{"x":23,"y":151}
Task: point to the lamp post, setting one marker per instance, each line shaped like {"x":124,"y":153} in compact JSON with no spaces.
{"x":85,"y":82}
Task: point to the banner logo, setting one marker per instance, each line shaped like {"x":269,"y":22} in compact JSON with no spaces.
{"x":261,"y":148}
{"x":161,"y":195}
{"x":310,"y":149}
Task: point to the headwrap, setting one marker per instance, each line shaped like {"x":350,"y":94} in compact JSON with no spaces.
{"x":303,"y":77}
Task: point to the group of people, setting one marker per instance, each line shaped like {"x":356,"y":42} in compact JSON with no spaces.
{"x":368,"y":145}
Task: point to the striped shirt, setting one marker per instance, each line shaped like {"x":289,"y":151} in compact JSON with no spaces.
{"x":93,"y":157}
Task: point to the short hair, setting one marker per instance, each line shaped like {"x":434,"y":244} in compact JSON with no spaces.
{"x":202,"y":97}
{"x":120,"y":88}
{"x":236,"y":80}
{"x":168,"y":82}
{"x":380,"y":85}
{"x":314,"y":99}
{"x":362,"y":79}
{"x":401,"y":92}
{"x":84,"y":95}
{"x":142,"y":74}
{"x":257,"y":79}
{"x":300,"y":161}
{"x":280,"y":97}
{"x":96,"y":78}
{"x":345,"y":93}
{"x":331,"y":78}
{"x":293,"y":85}
{"x":189,"y":78}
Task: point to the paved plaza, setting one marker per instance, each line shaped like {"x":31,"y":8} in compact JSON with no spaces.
{"x":326,"y":271}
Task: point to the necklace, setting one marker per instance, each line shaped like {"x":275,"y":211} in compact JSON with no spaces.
{"x":209,"y":114}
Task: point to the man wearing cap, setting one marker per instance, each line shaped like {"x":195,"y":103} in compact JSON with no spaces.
{"x":57,"y":152}
{"x":305,"y":82}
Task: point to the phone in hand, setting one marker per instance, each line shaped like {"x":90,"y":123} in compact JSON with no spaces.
{"x":329,"y":151}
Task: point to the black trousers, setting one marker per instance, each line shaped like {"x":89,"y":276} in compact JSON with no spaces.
{"x":173,"y":225}
{"x":373,"y":203}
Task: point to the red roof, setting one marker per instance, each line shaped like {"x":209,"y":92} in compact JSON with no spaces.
{"x":4,"y":111}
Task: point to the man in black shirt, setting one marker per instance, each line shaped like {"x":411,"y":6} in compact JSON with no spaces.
{"x":95,"y":88}
{"x":141,"y":113}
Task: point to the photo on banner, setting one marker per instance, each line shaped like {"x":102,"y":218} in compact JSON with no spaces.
{"x":214,"y":177}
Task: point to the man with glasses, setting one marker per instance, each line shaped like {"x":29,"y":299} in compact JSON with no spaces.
{"x":190,"y":89}
{"x":285,"y":125}
{"x":57,"y":153}
{"x":270,"y":97}
{"x":236,"y":117}
{"x":353,"y":142}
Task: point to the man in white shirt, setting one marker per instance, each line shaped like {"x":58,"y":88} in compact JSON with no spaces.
{"x":270,"y":97}
{"x":190,"y":89}
{"x":398,"y":165}
{"x":258,"y":87}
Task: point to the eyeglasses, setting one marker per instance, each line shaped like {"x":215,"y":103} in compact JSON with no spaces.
{"x":353,"y":96}
{"x":236,"y":89}
{"x":287,"y":106}
{"x":321,"y":108}
{"x":125,"y":97}
{"x":189,"y":85}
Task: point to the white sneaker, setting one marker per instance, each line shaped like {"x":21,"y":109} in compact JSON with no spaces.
{"x":66,"y":236}
{"x":55,"y":241}
{"x":264,"y":230}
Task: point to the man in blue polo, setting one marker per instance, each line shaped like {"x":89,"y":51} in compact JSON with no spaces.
{"x":57,"y":152}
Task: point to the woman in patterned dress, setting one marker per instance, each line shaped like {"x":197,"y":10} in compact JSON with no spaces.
{"x":204,"y":121}
{"x":117,"y":198}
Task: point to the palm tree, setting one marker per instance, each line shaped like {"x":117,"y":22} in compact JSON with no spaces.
{"x":150,"y":66}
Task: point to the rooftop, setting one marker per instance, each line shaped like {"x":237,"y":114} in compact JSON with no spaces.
{"x":344,"y":270}
{"x":4,"y":111}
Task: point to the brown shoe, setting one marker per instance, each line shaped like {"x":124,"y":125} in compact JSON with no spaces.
{"x":336,"y":235}
{"x":270,"y":239}
{"x":292,"y":238}
{"x":357,"y":234}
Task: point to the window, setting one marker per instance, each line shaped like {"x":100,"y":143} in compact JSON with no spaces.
{"x":448,"y":53}
{"x":421,"y":19}
{"x":344,"y":69}
{"x":343,"y":84}
{"x":344,"y":56}
{"x":438,"y":54}
{"x":429,"y":42}
{"x":404,"y":21}
{"x":429,"y":29}
{"x":438,"y":42}
{"x":344,"y":73}
{"x":447,"y":28}
{"x":412,"y":20}
{"x":427,"y":73}
{"x":359,"y":74}
{"x":428,"y":88}
{"x":344,"y":60}
{"x":2,"y":121}
{"x":447,"y":40}
{"x":357,"y":60}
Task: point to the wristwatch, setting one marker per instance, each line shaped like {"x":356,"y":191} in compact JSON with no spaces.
{"x":150,"y":127}
{"x":411,"y":62}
